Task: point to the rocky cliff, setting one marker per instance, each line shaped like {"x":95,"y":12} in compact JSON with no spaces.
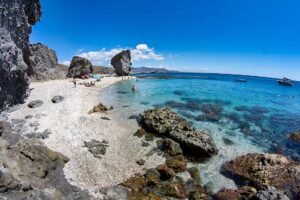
{"x":16,"y":20}
{"x":43,"y":63}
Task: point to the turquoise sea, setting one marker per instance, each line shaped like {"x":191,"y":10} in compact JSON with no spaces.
{"x":256,"y":116}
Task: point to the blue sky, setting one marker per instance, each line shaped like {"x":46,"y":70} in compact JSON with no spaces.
{"x":257,"y":37}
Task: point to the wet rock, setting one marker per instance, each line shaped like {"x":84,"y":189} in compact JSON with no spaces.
{"x":195,"y":174}
{"x":264,"y":170}
{"x":122,"y":63}
{"x":57,"y":99}
{"x":35,"y":104}
{"x":17,"y":18}
{"x":165,"y":171}
{"x":98,"y":149}
{"x":176,"y":164}
{"x":140,"y":162}
{"x":117,"y":193}
{"x":171,"y":147}
{"x":173,"y":190}
{"x":149,"y":137}
{"x":200,"y":193}
{"x":43,"y":63}
{"x":152,"y":176}
{"x":166,"y":123}
{"x":140,"y":133}
{"x":79,"y":67}
{"x":295,"y":137}
{"x":136,"y":183}
{"x":245,"y":192}
{"x":145,"y":144}
{"x":99,"y":108}
{"x":270,"y":194}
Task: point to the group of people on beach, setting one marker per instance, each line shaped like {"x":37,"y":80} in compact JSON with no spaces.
{"x":86,"y":84}
{"x":92,"y":84}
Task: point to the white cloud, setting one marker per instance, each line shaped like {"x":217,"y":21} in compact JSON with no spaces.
{"x":140,"y":52}
{"x":66,"y":62}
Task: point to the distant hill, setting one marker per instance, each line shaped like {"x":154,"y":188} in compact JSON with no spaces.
{"x":148,"y":70}
{"x":134,"y":70}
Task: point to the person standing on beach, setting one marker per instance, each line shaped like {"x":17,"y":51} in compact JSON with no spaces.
{"x":74,"y":82}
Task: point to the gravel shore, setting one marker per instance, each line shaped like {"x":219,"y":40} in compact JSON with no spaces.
{"x":70,"y":126}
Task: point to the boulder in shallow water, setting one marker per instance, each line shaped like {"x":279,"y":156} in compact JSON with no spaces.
{"x":295,"y":137}
{"x":166,"y":123}
{"x":79,"y":67}
{"x":264,"y":170}
{"x":122,"y":63}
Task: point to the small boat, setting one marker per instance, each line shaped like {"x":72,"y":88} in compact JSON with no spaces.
{"x":285,"y":82}
{"x":241,"y":80}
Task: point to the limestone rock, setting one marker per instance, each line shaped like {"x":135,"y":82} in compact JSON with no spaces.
{"x":122,"y":63}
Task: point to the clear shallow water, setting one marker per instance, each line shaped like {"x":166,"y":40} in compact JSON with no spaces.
{"x":256,"y":116}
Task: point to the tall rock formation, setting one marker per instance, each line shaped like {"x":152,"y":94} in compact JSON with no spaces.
{"x":79,"y":67}
{"x":16,"y":20}
{"x":122,"y":63}
{"x":43,"y":63}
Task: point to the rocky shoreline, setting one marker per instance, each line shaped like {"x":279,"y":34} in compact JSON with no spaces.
{"x":57,"y":141}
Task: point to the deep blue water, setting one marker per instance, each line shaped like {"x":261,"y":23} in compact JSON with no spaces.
{"x":256,"y":116}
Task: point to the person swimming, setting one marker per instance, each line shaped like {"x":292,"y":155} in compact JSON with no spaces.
{"x":133,"y":88}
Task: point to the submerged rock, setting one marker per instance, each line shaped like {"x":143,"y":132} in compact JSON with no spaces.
{"x":264,"y":170}
{"x":16,"y":20}
{"x":122,"y":63}
{"x":295,"y":137}
{"x":211,"y":112}
{"x":245,"y":193}
{"x":171,"y":147}
{"x":79,"y":67}
{"x":166,"y":123}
